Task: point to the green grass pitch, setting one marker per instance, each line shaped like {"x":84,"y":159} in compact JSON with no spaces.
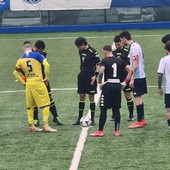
{"x":147,"y":148}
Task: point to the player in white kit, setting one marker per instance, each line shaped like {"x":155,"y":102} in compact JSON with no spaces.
{"x":164,"y":71}
{"x":138,"y":79}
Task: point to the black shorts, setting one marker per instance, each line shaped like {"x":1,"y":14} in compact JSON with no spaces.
{"x":127,"y":88}
{"x":167,"y":100}
{"x":84,"y":86}
{"x":140,"y":87}
{"x":111,"y":96}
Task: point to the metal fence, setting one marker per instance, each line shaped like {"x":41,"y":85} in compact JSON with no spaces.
{"x":114,"y":15}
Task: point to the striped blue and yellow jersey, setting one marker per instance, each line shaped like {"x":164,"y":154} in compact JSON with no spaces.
{"x":30,"y":64}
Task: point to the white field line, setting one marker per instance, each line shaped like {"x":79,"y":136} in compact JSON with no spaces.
{"x":53,"y":89}
{"x":82,"y":139}
{"x":89,"y":37}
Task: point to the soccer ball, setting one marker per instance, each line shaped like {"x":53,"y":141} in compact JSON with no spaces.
{"x":85,"y":121}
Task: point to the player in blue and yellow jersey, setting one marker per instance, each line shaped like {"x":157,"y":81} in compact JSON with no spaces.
{"x":40,"y":47}
{"x":89,"y":68}
{"x":30,"y":63}
{"x":122,"y":52}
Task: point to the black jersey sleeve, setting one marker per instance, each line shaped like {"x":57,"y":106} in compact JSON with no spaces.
{"x":97,"y":58}
{"x":103,"y":62}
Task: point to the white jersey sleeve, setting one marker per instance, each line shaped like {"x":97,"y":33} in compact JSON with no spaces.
{"x":164,"y":68}
{"x":136,"y":51}
{"x":161,"y":66}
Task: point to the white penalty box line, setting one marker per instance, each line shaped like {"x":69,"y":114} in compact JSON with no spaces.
{"x":53,"y":89}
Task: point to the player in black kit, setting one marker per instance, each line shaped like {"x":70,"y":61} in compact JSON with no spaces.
{"x":112,"y":68}
{"x":89,"y":68}
{"x":122,"y":52}
{"x":40,"y":47}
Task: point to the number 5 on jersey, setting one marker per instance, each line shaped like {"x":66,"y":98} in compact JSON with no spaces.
{"x":29,"y":66}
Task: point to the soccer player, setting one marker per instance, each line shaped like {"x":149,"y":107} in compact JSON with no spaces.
{"x":122,"y":52}
{"x":30,"y":63}
{"x":165,"y":38}
{"x":40,"y":47}
{"x":138,"y":79}
{"x":112,"y":67}
{"x":164,"y":71}
{"x":89,"y":68}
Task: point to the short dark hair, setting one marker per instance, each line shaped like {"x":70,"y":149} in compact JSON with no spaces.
{"x":40,"y":44}
{"x":27,"y":44}
{"x":107,"y":48}
{"x":80,"y":41}
{"x":125,"y":34}
{"x":117,"y":39}
{"x":167,"y":46}
{"x":165,"y":38}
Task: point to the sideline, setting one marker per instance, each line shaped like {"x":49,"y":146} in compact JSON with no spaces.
{"x":89,"y":37}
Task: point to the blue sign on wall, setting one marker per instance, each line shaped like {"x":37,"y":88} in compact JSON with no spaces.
{"x":4,"y":5}
{"x":140,"y":3}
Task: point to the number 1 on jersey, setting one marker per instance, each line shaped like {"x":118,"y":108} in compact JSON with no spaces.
{"x":114,"y":66}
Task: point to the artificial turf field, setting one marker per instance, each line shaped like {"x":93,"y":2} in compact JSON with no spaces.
{"x":136,"y":149}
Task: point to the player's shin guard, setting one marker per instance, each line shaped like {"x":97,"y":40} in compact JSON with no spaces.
{"x":30,"y":115}
{"x":140,"y":112}
{"x":143,"y":115}
{"x":130,"y":105}
{"x":35,"y":113}
{"x":53,"y":109}
{"x":103,"y":117}
{"x":92,"y":108}
{"x":45,"y":113}
{"x":117,"y":119}
{"x":81,"y":109}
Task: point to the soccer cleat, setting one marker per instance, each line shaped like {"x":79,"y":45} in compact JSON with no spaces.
{"x":49,"y":129}
{"x":136,"y":125}
{"x":117,"y":133}
{"x":36,"y":123}
{"x":98,"y":133}
{"x":143,"y":122}
{"x":77,"y":122}
{"x":35,"y":129}
{"x":131,"y":118}
{"x":57,"y":121}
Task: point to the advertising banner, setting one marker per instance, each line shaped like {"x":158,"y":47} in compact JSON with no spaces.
{"x":140,"y":3}
{"x":18,"y":5}
{"x":4,"y":5}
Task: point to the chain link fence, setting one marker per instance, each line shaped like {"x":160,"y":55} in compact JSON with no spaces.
{"x":72,"y":17}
